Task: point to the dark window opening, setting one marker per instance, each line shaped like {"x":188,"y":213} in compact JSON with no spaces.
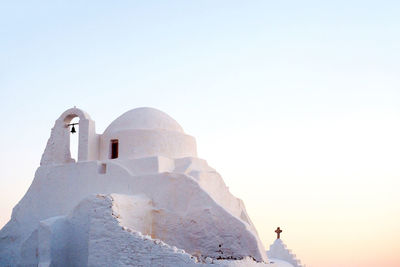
{"x":114,"y":149}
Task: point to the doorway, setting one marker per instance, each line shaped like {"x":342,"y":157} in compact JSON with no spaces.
{"x":114,"y":149}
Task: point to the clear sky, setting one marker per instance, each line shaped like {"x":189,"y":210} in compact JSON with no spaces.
{"x":295,"y":103}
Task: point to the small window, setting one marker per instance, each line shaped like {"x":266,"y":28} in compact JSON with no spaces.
{"x":114,"y":148}
{"x":103,"y":168}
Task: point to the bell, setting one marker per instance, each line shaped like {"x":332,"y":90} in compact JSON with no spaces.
{"x":73,"y":129}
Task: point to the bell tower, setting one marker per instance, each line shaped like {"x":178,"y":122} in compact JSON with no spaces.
{"x":58,"y":146}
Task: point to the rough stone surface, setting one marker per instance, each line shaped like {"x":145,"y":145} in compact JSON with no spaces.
{"x":157,"y":204}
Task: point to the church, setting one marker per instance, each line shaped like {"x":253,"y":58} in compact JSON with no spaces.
{"x":137,"y":195}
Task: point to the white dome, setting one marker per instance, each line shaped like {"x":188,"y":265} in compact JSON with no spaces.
{"x":147,"y":132}
{"x":144,"y":119}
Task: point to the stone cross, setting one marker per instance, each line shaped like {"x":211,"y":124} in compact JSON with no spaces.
{"x":278,"y":231}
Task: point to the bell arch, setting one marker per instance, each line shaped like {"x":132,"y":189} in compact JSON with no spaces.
{"x":74,"y":137}
{"x":58,"y":146}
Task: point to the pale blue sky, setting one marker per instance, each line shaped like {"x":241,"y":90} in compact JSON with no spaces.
{"x":297,"y":100}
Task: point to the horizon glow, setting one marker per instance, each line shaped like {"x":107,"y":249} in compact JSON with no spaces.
{"x":297,"y":105}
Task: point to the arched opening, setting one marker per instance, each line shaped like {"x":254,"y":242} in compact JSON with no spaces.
{"x":82,"y":145}
{"x":74,"y":138}
{"x":71,"y":123}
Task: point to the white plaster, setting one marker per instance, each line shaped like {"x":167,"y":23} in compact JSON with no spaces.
{"x":279,"y":251}
{"x":57,"y":150}
{"x":144,"y":119}
{"x":182,"y":207}
{"x":155,"y":164}
{"x":158,"y":188}
{"x":93,"y":235}
{"x":52,"y":242}
{"x":147,"y":132}
{"x":280,"y":263}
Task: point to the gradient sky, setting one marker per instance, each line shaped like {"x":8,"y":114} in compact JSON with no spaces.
{"x":295,"y":103}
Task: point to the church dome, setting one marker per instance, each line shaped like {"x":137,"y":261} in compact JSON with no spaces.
{"x":144,"y":119}
{"x":145,"y":132}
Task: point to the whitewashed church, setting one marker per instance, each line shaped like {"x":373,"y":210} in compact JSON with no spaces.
{"x":137,"y":195}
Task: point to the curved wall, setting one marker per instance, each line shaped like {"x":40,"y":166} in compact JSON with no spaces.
{"x":140,"y":143}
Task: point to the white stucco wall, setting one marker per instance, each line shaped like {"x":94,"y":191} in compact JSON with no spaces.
{"x":141,"y":143}
{"x":171,"y":195}
{"x":184,"y":214}
{"x":102,"y":231}
{"x":57,"y":150}
{"x":141,"y":133}
{"x":279,"y":251}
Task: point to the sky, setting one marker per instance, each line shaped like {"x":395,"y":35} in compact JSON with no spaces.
{"x":295,"y":103}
